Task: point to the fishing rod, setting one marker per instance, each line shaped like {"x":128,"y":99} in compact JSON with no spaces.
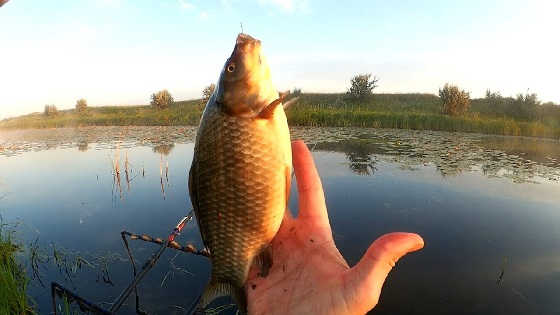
{"x":150,"y":264}
{"x":84,"y":304}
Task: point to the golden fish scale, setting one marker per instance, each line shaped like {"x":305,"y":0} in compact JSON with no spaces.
{"x":241,"y":191}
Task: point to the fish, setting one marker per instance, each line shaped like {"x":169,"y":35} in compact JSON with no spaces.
{"x":239,"y":180}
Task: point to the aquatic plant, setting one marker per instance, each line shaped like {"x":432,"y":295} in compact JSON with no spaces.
{"x":13,"y":280}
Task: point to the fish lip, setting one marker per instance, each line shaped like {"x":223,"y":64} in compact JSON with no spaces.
{"x":245,"y":45}
{"x":243,"y":38}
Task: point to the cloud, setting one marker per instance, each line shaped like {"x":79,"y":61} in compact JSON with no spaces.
{"x":287,"y":5}
{"x":186,"y":5}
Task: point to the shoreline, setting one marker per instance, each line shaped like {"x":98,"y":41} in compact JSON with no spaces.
{"x":394,"y":111}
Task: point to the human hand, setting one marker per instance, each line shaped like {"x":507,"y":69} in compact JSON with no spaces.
{"x":309,"y":275}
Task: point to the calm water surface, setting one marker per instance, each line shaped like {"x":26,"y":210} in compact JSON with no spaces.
{"x":487,"y":207}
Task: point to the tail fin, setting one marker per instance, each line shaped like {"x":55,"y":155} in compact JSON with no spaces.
{"x":217,"y":289}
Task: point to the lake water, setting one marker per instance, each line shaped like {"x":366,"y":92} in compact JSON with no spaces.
{"x":487,"y":207}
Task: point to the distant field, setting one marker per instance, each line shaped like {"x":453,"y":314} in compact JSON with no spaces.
{"x":405,"y":111}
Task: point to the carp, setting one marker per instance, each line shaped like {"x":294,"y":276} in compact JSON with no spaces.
{"x":239,"y":180}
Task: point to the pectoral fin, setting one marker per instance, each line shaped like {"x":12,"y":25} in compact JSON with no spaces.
{"x":269,"y":109}
{"x":264,"y":261}
{"x":290,"y":102}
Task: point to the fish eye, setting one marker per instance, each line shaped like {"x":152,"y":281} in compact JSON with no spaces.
{"x":231,"y":67}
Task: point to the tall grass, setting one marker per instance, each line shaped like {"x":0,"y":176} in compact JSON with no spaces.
{"x":418,"y":121}
{"x":407,"y":111}
{"x":13,"y":281}
{"x":402,"y":111}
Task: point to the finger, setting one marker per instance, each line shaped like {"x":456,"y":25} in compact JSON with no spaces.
{"x":310,"y":191}
{"x":364,"y":281}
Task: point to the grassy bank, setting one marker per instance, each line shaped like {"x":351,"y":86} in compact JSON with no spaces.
{"x":419,"y":121}
{"x":179,"y":113}
{"x":13,"y":281}
{"x":412,"y":111}
{"x":408,"y":111}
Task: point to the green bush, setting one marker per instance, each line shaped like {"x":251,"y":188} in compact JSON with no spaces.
{"x":361,"y":86}
{"x":207,"y":92}
{"x":161,"y":99}
{"x":454,"y":101}
{"x":81,"y":105}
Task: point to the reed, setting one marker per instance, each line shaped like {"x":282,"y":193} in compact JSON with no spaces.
{"x":332,"y":117}
{"x":126,"y":171}
{"x":13,"y":280}
{"x":402,"y":111}
{"x":161,"y":176}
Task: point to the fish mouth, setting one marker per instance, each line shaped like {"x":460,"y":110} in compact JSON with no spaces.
{"x":245,"y":80}
{"x":246,"y":44}
{"x":243,"y":39}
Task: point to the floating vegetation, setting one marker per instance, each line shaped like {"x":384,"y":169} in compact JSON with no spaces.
{"x":450,"y":153}
{"x":523,"y":160}
{"x":14,"y":142}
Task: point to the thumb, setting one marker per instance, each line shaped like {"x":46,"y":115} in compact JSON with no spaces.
{"x":364,"y":281}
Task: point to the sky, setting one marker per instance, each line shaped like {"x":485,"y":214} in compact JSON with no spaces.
{"x":118,"y":52}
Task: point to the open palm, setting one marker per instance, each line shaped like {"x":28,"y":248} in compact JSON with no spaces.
{"x":309,"y":275}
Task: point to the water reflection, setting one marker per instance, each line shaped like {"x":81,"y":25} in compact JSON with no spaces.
{"x":83,"y":146}
{"x":164,"y":148}
{"x":13,"y":142}
{"x":359,"y":153}
{"x":484,"y":212}
{"x":361,"y":164}
{"x":450,"y":154}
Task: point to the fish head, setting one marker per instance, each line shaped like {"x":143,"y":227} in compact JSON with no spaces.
{"x":245,"y":87}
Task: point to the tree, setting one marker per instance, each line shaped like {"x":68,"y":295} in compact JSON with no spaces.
{"x":81,"y":105}
{"x":454,"y":101}
{"x":161,"y":99}
{"x":525,"y":106}
{"x":50,"y":110}
{"x":207,"y":92}
{"x":493,"y":95}
{"x":361,"y":86}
